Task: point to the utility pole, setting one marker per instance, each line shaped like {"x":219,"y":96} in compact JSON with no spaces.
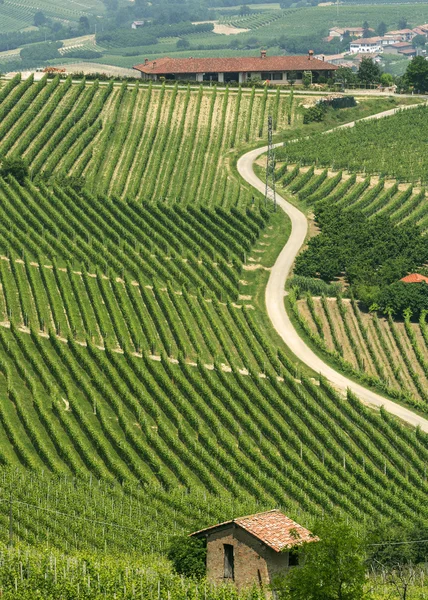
{"x":10,"y":521}
{"x":270,"y":193}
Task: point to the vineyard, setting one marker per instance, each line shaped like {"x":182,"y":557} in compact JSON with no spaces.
{"x":172,"y":382}
{"x":96,"y":131}
{"x":374,"y":196}
{"x":142,"y":392}
{"x":14,"y":16}
{"x":311,"y":21}
{"x":391,"y":355}
{"x":400,"y":155}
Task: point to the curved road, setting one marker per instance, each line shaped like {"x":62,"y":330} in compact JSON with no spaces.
{"x":274,"y":297}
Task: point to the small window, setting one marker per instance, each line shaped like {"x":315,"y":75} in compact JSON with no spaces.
{"x":293,"y":558}
{"x":229,"y":562}
{"x":277,"y":76}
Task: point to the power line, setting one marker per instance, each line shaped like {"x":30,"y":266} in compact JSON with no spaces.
{"x":399,"y":543}
{"x":67,"y":516}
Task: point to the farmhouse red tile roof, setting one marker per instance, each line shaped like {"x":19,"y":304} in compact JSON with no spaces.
{"x":402,"y":45}
{"x":233,"y":65}
{"x":272,"y":528}
{"x":372,"y":40}
{"x":409,"y":51}
{"x":414,"y":278}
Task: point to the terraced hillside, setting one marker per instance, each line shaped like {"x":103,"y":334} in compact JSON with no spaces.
{"x":402,"y":203}
{"x":133,"y":345}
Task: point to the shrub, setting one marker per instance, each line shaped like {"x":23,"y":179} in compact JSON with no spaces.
{"x":188,"y":555}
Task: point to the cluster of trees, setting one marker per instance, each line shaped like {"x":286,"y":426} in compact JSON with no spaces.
{"x":369,"y":73}
{"x":149,"y":33}
{"x":38,"y":53}
{"x":48,"y":31}
{"x":372,"y":254}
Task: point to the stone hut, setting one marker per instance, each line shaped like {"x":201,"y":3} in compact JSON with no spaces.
{"x":254,"y":549}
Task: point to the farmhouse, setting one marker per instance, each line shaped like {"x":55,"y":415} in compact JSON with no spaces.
{"x":252,"y":550}
{"x":374,"y":44}
{"x":339,"y":32}
{"x":276,"y":69}
{"x":399,"y":48}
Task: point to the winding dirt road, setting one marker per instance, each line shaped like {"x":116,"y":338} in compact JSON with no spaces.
{"x":274,"y":297}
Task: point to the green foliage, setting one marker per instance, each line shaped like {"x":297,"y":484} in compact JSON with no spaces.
{"x":369,"y":72}
{"x":367,"y":147}
{"x":39,"y":19}
{"x":317,"y":287}
{"x":333,"y":568}
{"x":15,"y":167}
{"x":314,"y":113}
{"x":399,"y":296}
{"x":416,"y":74}
{"x":371,"y":252}
{"x":41,"y":52}
{"x":188,"y":556}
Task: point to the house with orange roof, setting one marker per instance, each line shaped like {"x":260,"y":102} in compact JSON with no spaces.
{"x":252,"y":550}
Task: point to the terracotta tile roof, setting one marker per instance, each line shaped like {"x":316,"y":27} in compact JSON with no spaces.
{"x":408,"y":51}
{"x":372,"y":40}
{"x":414,"y":278}
{"x":402,"y":45}
{"x":232,"y":65}
{"x":399,"y":31}
{"x":272,"y":528}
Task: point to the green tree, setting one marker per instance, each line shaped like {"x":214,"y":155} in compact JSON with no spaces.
{"x":183,"y":43}
{"x":386,"y":79}
{"x":345,"y":76}
{"x":188,"y":555}
{"x":39,"y":19}
{"x":369,"y":72}
{"x":417,"y":73}
{"x":402,"y":23}
{"x":84,"y":24}
{"x":333,"y":568}
{"x":244,"y":10}
{"x":366,"y":29}
{"x":382,"y":28}
{"x":15,"y":166}
{"x":307,"y":79}
{"x":291,"y":77}
{"x":419,"y":41}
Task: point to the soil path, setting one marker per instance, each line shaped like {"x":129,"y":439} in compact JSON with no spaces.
{"x":274,"y":296}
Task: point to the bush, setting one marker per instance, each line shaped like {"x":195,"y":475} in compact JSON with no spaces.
{"x":317,"y":287}
{"x":314,"y":113}
{"x":188,"y":555}
{"x":15,"y":166}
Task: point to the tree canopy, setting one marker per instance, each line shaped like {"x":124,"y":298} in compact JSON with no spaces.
{"x":372,"y":253}
{"x":333,"y":568}
{"x":417,"y":73}
{"x":369,"y":72}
